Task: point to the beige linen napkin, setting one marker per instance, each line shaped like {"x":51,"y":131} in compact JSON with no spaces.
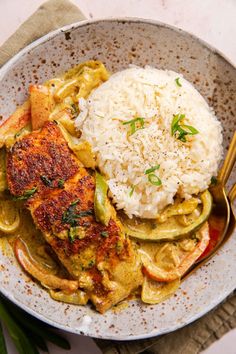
{"x":188,"y":340}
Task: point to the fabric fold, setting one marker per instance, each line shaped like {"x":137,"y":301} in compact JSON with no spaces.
{"x":51,"y":15}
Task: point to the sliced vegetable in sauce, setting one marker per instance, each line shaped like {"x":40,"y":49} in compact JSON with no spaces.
{"x":184,"y":208}
{"x":154,"y":292}
{"x":135,"y":124}
{"x":180,"y":131}
{"x":9,"y":216}
{"x":77,"y":298}
{"x":101,"y":203}
{"x":178,"y":82}
{"x":170,"y":230}
{"x":3,"y":179}
{"x":175,"y":260}
{"x":35,"y":269}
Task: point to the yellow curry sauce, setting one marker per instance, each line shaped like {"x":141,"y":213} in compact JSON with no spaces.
{"x":57,"y":100}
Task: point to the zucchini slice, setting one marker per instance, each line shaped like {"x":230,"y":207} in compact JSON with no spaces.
{"x":150,"y":230}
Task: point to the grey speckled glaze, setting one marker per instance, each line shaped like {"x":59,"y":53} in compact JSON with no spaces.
{"x":119,"y":43}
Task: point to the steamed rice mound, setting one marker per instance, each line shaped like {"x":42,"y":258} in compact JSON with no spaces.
{"x":185,"y":168}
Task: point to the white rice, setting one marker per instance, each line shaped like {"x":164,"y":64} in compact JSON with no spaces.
{"x":185,"y":168}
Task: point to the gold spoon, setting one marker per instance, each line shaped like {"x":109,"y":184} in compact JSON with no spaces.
{"x":221,"y":211}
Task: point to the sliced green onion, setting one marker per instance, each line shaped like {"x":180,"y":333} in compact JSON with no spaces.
{"x":132,"y":190}
{"x":181,"y":129}
{"x":154,"y":179}
{"x":133,"y":124}
{"x":175,"y":122}
{"x":192,"y":130}
{"x":177,"y":82}
{"x":152,"y":169}
{"x":104,"y":234}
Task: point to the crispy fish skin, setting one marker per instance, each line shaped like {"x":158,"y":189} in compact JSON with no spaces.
{"x":43,"y":153}
{"x":94,"y":256}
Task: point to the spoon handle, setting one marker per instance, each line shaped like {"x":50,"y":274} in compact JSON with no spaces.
{"x":232,"y":193}
{"x":228,"y":162}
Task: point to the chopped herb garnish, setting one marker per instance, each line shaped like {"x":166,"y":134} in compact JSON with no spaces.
{"x":154,"y":179}
{"x":74,"y":110}
{"x":46,"y":181}
{"x":70,"y":216}
{"x":177,"y":82}
{"x":17,"y":134}
{"x":135,"y":124}
{"x":132,"y":190}
{"x":85,"y":213}
{"x":91,"y":263}
{"x":152,"y":169}
{"x":119,"y":247}
{"x":72,"y":234}
{"x":61,"y":183}
{"x":104,"y":234}
{"x":29,"y":193}
{"x":75,"y":202}
{"x":183,"y":129}
{"x":213,"y":180}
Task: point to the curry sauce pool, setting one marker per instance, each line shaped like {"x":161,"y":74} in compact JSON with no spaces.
{"x":56,"y":209}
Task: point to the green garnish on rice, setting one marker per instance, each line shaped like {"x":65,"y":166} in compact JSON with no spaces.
{"x":152,"y":178}
{"x":178,"y":82}
{"x":181,"y":130}
{"x":135,"y":124}
{"x":131,"y":190}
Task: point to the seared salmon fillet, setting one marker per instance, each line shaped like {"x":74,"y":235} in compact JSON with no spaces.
{"x":59,"y":193}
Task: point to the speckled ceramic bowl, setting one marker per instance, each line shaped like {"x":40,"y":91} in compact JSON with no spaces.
{"x":119,"y":43}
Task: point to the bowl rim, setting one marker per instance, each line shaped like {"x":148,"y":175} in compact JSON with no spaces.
{"x":86,"y":22}
{"x":7,"y":66}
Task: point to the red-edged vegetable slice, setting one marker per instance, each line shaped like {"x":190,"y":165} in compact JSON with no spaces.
{"x":187,"y":259}
{"x":41,"y":105}
{"x":38,"y":272}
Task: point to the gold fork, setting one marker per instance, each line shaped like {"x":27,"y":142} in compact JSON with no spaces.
{"x":221,"y":211}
